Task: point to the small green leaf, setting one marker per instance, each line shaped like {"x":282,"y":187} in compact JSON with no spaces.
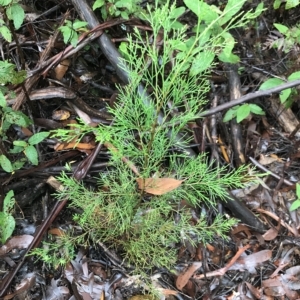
{"x":202,"y":10}
{"x":18,"y":77}
{"x":256,"y":109}
{"x":67,"y":33}
{"x":5,"y":2}
{"x":5,"y":126}
{"x":288,"y":103}
{"x":5,"y":32}
{"x":2,"y":100}
{"x":277,"y":4}
{"x":177,"y":12}
{"x":294,"y":76}
{"x":295,"y":205}
{"x":74,"y":39}
{"x":5,"y":164}
{"x":259,"y":9}
{"x":231,"y":58}
{"x":20,"y":143}
{"x":18,"y":164}
{"x":7,"y":226}
{"x":177,"y":25}
{"x":32,"y":155}
{"x":124,"y":15}
{"x":202,"y":62}
{"x":18,"y":118}
{"x":242,"y":112}
{"x":291,"y":4}
{"x":16,"y":13}
{"x":232,"y":8}
{"x":79,"y":24}
{"x":8,"y":202}
{"x":284,"y":95}
{"x":298,"y":190}
{"x":15,"y":150}
{"x":98,"y":3}
{"x":270,"y":83}
{"x":178,"y":45}
{"x":281,"y":28}
{"x":38,"y":137}
{"x":230,"y":114}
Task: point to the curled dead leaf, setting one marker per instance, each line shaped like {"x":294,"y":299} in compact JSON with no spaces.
{"x":158,"y":186}
{"x":19,"y":242}
{"x":73,"y":145}
{"x":61,"y":69}
{"x":60,"y":115}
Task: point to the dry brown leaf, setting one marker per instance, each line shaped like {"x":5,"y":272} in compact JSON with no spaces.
{"x":253,"y":290}
{"x":73,"y":145}
{"x":274,"y":291}
{"x":56,"y":231}
{"x":250,"y":262}
{"x":20,"y":242}
{"x":290,"y":281}
{"x":61,"y":69}
{"x":271,"y":234}
{"x":61,"y":115}
{"x":158,"y":186}
{"x":256,"y":258}
{"x":167,"y":292}
{"x":289,"y":294}
{"x":266,"y":160}
{"x":184,"y":277}
{"x":271,"y":282}
{"x":87,"y":296}
{"x":24,"y":285}
{"x":241,"y":228}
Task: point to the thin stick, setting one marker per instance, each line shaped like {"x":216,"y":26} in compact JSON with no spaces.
{"x":249,"y":97}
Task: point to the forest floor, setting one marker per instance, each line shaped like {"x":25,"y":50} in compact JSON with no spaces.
{"x":260,"y":257}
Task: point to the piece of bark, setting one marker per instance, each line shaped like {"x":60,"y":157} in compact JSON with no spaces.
{"x":285,"y":117}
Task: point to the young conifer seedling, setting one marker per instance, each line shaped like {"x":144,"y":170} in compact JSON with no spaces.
{"x":137,"y":207}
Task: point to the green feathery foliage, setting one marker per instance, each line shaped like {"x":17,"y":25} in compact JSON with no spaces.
{"x":151,"y":131}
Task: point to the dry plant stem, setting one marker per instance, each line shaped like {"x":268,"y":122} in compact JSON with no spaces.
{"x":235,"y":92}
{"x":223,"y":150}
{"x":222,"y":271}
{"x":83,"y":40}
{"x":249,"y":97}
{"x":258,"y":165}
{"x":213,"y":126}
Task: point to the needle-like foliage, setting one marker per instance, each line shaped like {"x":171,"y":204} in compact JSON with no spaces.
{"x":151,"y":131}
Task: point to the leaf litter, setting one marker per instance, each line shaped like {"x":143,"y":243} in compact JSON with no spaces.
{"x":271,"y":258}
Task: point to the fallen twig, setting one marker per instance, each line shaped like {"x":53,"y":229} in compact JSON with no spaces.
{"x":249,"y":97}
{"x":263,"y":168}
{"x":222,"y":271}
